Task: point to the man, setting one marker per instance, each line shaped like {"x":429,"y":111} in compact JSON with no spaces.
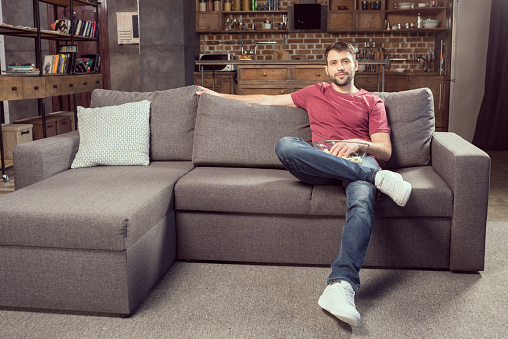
{"x":341,"y":111}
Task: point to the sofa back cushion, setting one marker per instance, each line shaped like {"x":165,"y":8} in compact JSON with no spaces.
{"x":172,"y":118}
{"x":411,"y":117}
{"x":235,"y":133}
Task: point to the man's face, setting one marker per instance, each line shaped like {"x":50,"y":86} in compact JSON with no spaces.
{"x":341,"y":68}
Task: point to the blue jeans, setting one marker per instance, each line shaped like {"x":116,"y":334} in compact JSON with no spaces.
{"x":316,"y":167}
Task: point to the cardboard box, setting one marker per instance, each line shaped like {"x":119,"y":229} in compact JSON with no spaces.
{"x":15,"y":134}
{"x":51,"y":124}
{"x":69,"y":114}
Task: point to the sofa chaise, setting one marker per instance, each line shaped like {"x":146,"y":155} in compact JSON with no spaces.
{"x":96,"y":239}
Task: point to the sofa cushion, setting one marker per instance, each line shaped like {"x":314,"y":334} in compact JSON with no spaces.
{"x":235,"y":133}
{"x":242,"y":190}
{"x":103,"y":208}
{"x":173,"y":115}
{"x":411,"y":117}
{"x":114,"y":135}
{"x":430,"y":197}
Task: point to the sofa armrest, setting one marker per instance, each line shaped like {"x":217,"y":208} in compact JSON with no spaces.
{"x":41,"y":159}
{"x":466,"y":169}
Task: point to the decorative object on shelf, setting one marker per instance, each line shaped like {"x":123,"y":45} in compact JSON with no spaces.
{"x":375,"y":5}
{"x":419,"y":21}
{"x":430,"y":23}
{"x":280,"y":54}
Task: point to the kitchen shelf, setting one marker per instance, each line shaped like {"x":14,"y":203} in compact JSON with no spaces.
{"x":417,"y":30}
{"x":259,"y":31}
{"x":415,"y":10}
{"x":252,"y":12}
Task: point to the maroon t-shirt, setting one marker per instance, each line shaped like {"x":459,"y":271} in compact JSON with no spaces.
{"x":339,"y":116}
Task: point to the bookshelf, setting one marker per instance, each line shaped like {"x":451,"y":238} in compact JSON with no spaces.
{"x":39,"y":86}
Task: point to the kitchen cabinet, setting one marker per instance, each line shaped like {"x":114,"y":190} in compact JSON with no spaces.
{"x":282,"y":78}
{"x":341,"y":21}
{"x":215,"y":21}
{"x":286,"y":77}
{"x":222,"y":82}
{"x":348,"y":16}
{"x":209,"y":22}
{"x":370,"y":21}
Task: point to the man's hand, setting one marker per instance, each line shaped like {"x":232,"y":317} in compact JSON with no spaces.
{"x":206,"y":90}
{"x":277,"y":100}
{"x":344,"y":149}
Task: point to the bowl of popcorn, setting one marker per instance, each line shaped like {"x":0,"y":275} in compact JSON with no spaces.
{"x":359,"y":148}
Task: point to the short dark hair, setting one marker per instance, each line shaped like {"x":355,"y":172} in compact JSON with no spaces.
{"x":340,"y":46}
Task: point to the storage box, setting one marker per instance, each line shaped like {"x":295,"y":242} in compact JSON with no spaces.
{"x":37,"y":126}
{"x":69,"y":114}
{"x":13,"y":135}
{"x":63,"y":123}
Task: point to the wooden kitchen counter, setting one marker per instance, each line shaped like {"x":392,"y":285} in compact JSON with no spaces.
{"x":283,"y":76}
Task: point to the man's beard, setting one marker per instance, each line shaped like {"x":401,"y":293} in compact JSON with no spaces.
{"x":342,"y":82}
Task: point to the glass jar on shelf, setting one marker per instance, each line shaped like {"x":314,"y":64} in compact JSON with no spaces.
{"x":227,"y":5}
{"x":216,"y":6}
{"x":202,"y":5}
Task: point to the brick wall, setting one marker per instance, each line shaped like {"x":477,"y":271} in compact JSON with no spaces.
{"x":310,"y":46}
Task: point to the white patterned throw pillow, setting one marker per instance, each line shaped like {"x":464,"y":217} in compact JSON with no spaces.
{"x":114,"y":135}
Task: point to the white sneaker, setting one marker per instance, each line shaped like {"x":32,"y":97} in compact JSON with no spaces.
{"x":392,"y":184}
{"x":339,"y":299}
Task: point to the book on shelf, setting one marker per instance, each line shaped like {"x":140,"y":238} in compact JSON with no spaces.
{"x":20,"y":68}
{"x":48,"y":64}
{"x":21,"y":64}
{"x":88,"y":63}
{"x":61,"y":26}
{"x":58,"y":63}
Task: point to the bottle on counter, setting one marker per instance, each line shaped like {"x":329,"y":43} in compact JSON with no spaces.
{"x":237,"y":5}
{"x":209,"y":6}
{"x":253,"y":5}
{"x":245,"y":5}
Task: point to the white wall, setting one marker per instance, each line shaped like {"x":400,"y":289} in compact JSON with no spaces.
{"x":471,"y":19}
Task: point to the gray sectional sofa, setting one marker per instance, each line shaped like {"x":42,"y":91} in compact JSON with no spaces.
{"x":97,"y":239}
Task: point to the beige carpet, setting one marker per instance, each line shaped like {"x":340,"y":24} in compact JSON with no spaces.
{"x":199,"y":300}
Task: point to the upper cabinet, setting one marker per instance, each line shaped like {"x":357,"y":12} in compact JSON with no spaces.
{"x":221,"y":16}
{"x":237,"y":16}
{"x":384,"y":15}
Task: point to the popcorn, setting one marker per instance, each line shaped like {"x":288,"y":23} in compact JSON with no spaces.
{"x":354,"y":158}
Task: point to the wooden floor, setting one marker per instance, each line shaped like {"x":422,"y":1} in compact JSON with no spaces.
{"x":498,"y":196}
